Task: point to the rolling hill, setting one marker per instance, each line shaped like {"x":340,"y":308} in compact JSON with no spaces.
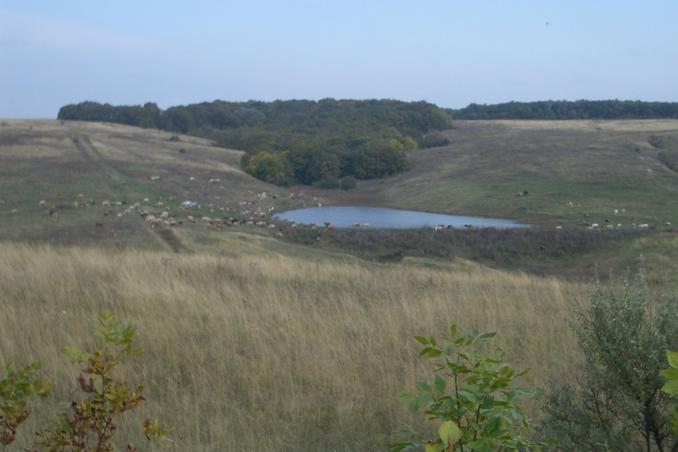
{"x":243,"y":327}
{"x":102,"y":182}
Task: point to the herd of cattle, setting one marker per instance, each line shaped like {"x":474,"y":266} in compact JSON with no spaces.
{"x":258,"y":211}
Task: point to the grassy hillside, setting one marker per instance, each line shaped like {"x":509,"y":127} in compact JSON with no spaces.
{"x":80,"y":169}
{"x":100,"y":178}
{"x":575,"y":172}
{"x":263,"y":352}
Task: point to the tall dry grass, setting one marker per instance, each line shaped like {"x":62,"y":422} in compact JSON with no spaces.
{"x":267,"y":352}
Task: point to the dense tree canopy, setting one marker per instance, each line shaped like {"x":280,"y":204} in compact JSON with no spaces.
{"x":580,"y":109}
{"x":298,"y":140}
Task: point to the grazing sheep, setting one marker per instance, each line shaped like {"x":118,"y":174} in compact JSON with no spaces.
{"x":155,"y":178}
{"x":105,"y":203}
{"x":14,"y":211}
{"x":42,"y":203}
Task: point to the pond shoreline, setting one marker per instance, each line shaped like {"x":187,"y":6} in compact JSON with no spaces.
{"x":388,"y":218}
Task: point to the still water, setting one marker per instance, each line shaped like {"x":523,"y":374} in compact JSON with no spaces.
{"x":377,"y":217}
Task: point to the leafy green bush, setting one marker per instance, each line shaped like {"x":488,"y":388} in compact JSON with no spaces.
{"x":329,"y":182}
{"x":433,"y":139}
{"x":671,"y":386}
{"x":348,"y":183}
{"x":472,"y":397}
{"x":617,"y":403}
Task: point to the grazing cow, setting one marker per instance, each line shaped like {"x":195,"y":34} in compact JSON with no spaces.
{"x":99,"y":225}
{"x":51,"y":210}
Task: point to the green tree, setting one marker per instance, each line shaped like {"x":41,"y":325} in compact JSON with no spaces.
{"x":269,"y":167}
{"x":472,"y":397}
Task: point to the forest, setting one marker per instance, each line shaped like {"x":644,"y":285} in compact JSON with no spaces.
{"x":329,"y":143}
{"x":562,"y":109}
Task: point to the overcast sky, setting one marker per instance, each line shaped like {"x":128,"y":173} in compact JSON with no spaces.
{"x":448,"y":52}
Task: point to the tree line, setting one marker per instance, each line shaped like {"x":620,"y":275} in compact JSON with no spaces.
{"x":562,"y":109}
{"x":329,"y":142}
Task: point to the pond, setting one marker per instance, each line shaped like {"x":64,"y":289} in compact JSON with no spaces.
{"x":377,"y":217}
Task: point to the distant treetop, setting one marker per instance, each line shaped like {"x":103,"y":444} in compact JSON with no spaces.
{"x":296,"y":141}
{"x":562,"y":109}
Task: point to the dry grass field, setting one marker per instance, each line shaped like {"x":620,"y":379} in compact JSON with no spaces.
{"x":256,"y":342}
{"x":265,"y":352}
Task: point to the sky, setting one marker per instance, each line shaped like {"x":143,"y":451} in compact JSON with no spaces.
{"x":447,"y":52}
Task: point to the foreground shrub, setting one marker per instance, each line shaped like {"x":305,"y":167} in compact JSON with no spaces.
{"x":91,"y":422}
{"x":671,"y":387}
{"x":16,"y":389}
{"x":472,"y":398}
{"x":617,"y":402}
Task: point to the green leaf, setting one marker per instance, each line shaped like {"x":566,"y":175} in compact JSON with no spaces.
{"x":430,"y":352}
{"x":76,"y":354}
{"x":487,"y":336}
{"x":424,"y":387}
{"x":670,"y":373}
{"x":421,"y":339}
{"x":431,"y":446}
{"x":449,"y":433}
{"x":404,"y":396}
{"x":671,"y":387}
{"x":439,"y":383}
{"x":417,"y":402}
{"x":672,"y":358}
{"x":453,"y":331}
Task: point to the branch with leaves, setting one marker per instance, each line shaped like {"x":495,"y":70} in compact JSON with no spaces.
{"x":16,"y":389}
{"x":472,"y":398}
